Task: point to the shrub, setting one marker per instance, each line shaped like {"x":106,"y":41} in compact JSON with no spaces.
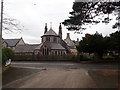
{"x":7,"y":54}
{"x":109,"y":58}
{"x":116,"y":57}
{"x":4,"y":58}
{"x":84,"y":58}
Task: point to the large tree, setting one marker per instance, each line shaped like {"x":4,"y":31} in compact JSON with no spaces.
{"x":99,"y":45}
{"x":88,"y":12}
{"x":115,"y":41}
{"x":93,"y":44}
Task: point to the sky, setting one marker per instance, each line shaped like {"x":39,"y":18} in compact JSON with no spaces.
{"x":33,"y":14}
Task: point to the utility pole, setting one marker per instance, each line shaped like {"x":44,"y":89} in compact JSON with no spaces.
{"x":1,"y":23}
{"x":1,"y":17}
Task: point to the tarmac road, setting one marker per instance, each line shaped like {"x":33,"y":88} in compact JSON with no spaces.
{"x":57,"y":75}
{"x":113,"y":66}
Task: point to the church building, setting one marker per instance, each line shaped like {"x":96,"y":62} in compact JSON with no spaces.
{"x":53,"y":44}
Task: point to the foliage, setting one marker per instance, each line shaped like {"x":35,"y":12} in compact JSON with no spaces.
{"x":99,"y":45}
{"x":7,"y":53}
{"x":115,"y":41}
{"x":93,"y":44}
{"x":84,"y":58}
{"x":4,"y":58}
{"x":86,"y":13}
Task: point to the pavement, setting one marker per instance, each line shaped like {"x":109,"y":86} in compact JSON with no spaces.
{"x":53,"y":77}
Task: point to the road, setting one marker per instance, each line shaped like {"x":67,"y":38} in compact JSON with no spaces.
{"x":60,"y":75}
{"x":65,"y":65}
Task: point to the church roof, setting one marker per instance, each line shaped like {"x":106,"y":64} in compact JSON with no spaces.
{"x":54,"y":46}
{"x":26,"y":48}
{"x":39,"y":46}
{"x":50,"y":32}
{"x":69,"y":42}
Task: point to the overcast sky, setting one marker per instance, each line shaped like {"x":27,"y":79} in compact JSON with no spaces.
{"x":33,"y":14}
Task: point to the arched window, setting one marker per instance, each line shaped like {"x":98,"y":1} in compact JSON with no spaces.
{"x":45,"y":51}
{"x":55,"y":52}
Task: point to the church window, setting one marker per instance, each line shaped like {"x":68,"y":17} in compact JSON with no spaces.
{"x":55,"y":39}
{"x":55,"y":52}
{"x":45,"y":51}
{"x":47,"y":38}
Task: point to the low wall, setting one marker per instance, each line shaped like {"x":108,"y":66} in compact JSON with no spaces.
{"x":45,"y":58}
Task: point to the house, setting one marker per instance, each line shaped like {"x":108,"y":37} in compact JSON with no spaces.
{"x":12,"y":43}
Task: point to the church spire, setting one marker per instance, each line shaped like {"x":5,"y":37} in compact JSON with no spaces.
{"x":45,"y":28}
{"x":60,"y":31}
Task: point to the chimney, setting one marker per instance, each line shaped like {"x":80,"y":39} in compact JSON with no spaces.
{"x":68,"y":35}
{"x":60,"y":31}
{"x":77,"y":39}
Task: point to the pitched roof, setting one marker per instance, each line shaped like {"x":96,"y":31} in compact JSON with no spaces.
{"x":50,"y":32}
{"x":54,"y":46}
{"x":26,"y":48}
{"x":39,"y":46}
{"x":69,"y":42}
{"x":11,"y":42}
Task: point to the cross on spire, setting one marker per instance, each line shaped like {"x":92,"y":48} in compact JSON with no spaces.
{"x":51,"y":25}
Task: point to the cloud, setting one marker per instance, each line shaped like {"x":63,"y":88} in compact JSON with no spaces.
{"x":33,"y":14}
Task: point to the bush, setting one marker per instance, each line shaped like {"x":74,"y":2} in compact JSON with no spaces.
{"x":7,"y":54}
{"x":4,"y":58}
{"x":116,"y":57}
{"x":84,"y":58}
{"x":109,"y":58}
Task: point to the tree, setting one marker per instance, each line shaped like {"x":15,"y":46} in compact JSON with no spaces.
{"x":11,"y":25}
{"x":8,"y":24}
{"x":85,"y":13}
{"x":115,"y":41}
{"x":93,"y":44}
